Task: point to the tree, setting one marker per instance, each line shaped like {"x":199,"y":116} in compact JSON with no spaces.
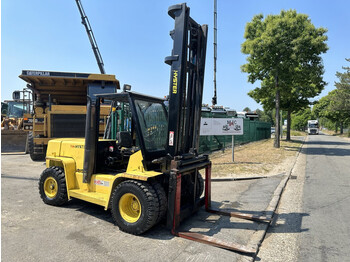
{"x":299,"y":119}
{"x":265,"y":116}
{"x":341,"y":99}
{"x":284,"y":54}
{"x":247,"y":109}
{"x":328,"y":107}
{"x":336,"y":105}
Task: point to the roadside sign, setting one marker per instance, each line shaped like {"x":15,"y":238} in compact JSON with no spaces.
{"x":221,"y":126}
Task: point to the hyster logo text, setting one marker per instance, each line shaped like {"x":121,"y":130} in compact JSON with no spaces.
{"x":175,"y":82}
{"x":77,"y":146}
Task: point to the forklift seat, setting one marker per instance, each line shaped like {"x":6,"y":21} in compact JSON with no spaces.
{"x":124,"y":139}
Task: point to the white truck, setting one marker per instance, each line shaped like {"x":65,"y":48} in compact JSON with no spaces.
{"x":312,"y":127}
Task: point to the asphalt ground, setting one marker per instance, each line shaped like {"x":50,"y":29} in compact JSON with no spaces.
{"x":326,"y":229}
{"x":312,"y":222}
{"x":80,"y":231}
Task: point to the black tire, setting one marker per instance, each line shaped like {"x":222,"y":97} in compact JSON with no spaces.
{"x":163,"y":201}
{"x":35,"y":156}
{"x":187,"y":188}
{"x":55,"y":177}
{"x":148,"y":201}
{"x":200,"y":185}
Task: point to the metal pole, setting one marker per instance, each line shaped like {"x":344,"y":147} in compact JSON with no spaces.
{"x":233,"y":148}
{"x":214,"y":99}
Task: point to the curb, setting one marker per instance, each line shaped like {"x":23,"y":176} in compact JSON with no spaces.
{"x":259,"y":235}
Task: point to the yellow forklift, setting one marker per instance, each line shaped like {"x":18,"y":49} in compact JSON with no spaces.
{"x":150,"y":170}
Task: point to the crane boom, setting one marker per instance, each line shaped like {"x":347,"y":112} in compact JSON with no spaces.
{"x":86,"y":23}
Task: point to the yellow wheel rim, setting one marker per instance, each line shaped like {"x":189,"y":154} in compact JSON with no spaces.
{"x":130,"y":208}
{"x":50,"y":187}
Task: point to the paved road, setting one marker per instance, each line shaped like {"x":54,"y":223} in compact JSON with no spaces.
{"x":80,"y":231}
{"x":325,"y":231}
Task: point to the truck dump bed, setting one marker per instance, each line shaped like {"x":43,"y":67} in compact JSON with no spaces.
{"x":65,"y":88}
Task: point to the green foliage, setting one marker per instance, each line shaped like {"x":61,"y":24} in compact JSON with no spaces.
{"x":341,"y":99}
{"x":247,"y":109}
{"x":299,"y":119}
{"x":335,"y":106}
{"x":266,"y":116}
{"x":281,"y":45}
{"x":286,"y":47}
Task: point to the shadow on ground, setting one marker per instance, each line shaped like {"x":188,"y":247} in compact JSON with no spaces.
{"x":328,"y":151}
{"x":287,"y":223}
{"x":201,"y":222}
{"x":325,"y":143}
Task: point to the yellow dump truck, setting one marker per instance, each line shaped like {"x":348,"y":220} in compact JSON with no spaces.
{"x":60,"y":100}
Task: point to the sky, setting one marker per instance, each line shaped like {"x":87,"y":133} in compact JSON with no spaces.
{"x":133,"y":38}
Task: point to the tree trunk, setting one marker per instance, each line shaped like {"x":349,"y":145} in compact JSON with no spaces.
{"x":288,"y":124}
{"x":341,"y":128}
{"x":336,"y":127}
{"x":278,"y":120}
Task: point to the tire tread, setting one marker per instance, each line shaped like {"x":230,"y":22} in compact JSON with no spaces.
{"x":152,"y":212}
{"x":58,"y":174}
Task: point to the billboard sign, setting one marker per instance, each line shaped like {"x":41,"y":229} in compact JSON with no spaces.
{"x":221,"y":126}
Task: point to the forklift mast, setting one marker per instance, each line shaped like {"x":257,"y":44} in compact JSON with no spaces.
{"x":187,"y":63}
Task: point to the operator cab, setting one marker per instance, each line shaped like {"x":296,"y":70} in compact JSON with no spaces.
{"x":136,"y":122}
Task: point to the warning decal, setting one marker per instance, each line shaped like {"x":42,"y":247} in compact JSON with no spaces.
{"x":101,"y":182}
{"x":171,"y":138}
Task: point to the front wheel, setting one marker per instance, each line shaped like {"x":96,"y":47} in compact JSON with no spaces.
{"x":134,"y":206}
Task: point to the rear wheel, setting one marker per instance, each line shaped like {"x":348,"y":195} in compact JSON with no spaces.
{"x":134,"y":206}
{"x":36,"y":152}
{"x":52,"y":186}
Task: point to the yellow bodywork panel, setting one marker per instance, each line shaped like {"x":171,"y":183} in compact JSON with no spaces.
{"x":135,"y":162}
{"x":74,"y":148}
{"x":136,"y":169}
{"x":68,"y":148}
{"x":54,"y":148}
{"x":101,"y":186}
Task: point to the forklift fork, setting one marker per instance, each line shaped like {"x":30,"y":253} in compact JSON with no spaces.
{"x":176,"y":218}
